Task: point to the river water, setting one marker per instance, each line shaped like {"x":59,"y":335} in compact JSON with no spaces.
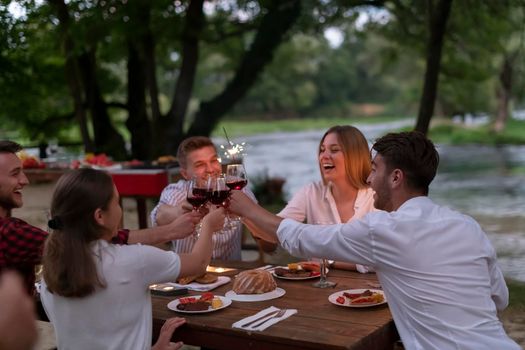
{"x":487,"y":183}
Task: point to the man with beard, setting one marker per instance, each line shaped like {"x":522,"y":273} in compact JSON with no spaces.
{"x":21,"y":244}
{"x":437,"y":267}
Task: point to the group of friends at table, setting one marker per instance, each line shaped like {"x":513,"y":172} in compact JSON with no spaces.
{"x":370,"y":211}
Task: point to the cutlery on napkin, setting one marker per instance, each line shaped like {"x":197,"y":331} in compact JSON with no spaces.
{"x":259,"y":318}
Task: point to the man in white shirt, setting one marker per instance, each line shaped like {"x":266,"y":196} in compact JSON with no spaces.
{"x":197,"y":157}
{"x":437,"y":267}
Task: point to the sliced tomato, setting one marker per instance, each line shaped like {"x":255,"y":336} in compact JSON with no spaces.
{"x":340,"y":300}
{"x":187,"y":300}
{"x":207,"y":296}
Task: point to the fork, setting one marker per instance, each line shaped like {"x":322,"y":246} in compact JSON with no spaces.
{"x":279,"y":314}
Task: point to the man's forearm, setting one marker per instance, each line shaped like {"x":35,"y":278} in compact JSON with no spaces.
{"x":150,"y":236}
{"x":266,"y":223}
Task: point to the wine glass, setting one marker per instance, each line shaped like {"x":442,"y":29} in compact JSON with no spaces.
{"x":236,"y":178}
{"x":197,"y":196}
{"x":219,"y":191}
{"x":323,"y":281}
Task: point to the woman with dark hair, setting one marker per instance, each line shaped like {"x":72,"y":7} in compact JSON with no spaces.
{"x":95,"y":293}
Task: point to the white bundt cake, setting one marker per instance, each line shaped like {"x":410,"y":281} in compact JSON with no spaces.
{"x":254,"y":282}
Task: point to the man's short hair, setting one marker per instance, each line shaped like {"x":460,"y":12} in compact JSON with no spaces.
{"x":7,"y":146}
{"x":413,"y":153}
{"x":191,"y":144}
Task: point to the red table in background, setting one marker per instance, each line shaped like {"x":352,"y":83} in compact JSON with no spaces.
{"x":142,"y":184}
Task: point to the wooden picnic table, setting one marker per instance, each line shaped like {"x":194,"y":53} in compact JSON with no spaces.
{"x":317,"y":325}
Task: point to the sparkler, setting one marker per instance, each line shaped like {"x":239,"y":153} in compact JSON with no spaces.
{"x":233,"y":151}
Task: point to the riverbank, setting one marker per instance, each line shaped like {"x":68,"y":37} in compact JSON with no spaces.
{"x":441,"y":130}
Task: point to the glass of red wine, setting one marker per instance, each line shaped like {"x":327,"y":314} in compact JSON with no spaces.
{"x":219,"y":191}
{"x":236,"y":178}
{"x":197,"y":196}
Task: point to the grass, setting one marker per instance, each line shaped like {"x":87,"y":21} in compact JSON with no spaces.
{"x":516,"y":294}
{"x":449,"y":133}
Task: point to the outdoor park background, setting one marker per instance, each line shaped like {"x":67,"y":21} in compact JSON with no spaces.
{"x":132,"y":78}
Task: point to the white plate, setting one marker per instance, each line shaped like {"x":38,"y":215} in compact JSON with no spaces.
{"x":295,"y":278}
{"x":274,"y":294}
{"x":200,"y":287}
{"x":332,"y":298}
{"x":172,"y":305}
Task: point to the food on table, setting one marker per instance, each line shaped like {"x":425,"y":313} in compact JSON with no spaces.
{"x":101,"y":159}
{"x":202,"y":279}
{"x":205,"y":302}
{"x":166,"y":159}
{"x":366,"y":297}
{"x":294,"y":273}
{"x":254,"y":282}
{"x":30,"y":162}
{"x":293,"y":266}
{"x":206,"y":278}
{"x":310,"y":266}
{"x":216,"y":303}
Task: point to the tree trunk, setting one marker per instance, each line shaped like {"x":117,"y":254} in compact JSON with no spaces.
{"x":438,"y":18}
{"x":137,"y":122}
{"x":72,"y":73}
{"x":503,"y":93}
{"x":190,"y":55}
{"x":107,"y":138}
{"x":280,"y":18}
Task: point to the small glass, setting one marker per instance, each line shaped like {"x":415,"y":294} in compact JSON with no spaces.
{"x":323,"y":282}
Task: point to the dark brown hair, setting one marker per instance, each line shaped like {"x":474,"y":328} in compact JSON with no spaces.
{"x":191,"y":144}
{"x":7,"y":146}
{"x":413,"y":153}
{"x":69,"y":265}
{"x":356,"y":153}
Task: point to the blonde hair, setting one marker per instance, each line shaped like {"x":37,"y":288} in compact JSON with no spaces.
{"x":356,"y":153}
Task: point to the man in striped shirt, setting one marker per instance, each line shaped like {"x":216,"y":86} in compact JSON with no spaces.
{"x":197,"y":157}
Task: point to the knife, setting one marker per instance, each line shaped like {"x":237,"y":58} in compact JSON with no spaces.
{"x":271,"y":314}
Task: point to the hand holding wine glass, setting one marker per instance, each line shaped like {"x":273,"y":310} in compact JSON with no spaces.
{"x":197,"y":196}
{"x":197,"y":193}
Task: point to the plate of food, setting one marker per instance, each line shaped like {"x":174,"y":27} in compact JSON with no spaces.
{"x":296,"y":271}
{"x":202,"y":283}
{"x":198,"y":304}
{"x":254,"y":285}
{"x":358,"y":298}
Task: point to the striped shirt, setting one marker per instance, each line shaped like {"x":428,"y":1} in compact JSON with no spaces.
{"x":226,"y":243}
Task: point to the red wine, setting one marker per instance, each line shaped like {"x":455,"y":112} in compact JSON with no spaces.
{"x":197,"y":201}
{"x":218,"y":197}
{"x":237,"y":184}
{"x":200,"y":192}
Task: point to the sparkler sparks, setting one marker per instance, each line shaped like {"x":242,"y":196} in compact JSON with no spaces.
{"x":234,"y":151}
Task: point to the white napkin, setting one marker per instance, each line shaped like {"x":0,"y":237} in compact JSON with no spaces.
{"x":265,"y":325}
{"x":203,"y":287}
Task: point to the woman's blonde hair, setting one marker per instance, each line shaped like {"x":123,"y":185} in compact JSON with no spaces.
{"x":69,"y":265}
{"x":356,"y":153}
